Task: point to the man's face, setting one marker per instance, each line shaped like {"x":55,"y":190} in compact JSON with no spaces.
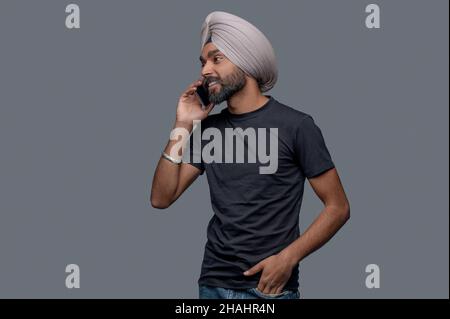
{"x":225,"y":77}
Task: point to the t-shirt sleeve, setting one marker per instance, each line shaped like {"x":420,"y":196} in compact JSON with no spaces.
{"x":311,"y":152}
{"x":193,"y":151}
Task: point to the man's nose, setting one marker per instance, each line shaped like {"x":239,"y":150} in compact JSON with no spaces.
{"x":207,"y":70}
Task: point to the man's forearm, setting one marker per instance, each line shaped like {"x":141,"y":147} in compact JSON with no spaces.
{"x":329,"y":221}
{"x":165,"y":180}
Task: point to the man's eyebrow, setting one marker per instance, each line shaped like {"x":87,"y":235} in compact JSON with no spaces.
{"x":210,"y":53}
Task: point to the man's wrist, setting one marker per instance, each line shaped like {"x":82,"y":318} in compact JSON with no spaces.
{"x":289,"y":256}
{"x":184,"y":124}
{"x":171,"y":159}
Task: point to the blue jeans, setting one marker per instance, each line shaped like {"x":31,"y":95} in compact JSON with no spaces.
{"x":210,"y":292}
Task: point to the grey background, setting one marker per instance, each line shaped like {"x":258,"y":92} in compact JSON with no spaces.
{"x":85,"y":114}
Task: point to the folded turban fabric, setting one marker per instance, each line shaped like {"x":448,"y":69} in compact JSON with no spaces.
{"x":243,"y":44}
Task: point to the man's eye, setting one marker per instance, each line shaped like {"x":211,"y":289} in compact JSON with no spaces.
{"x":217,"y":57}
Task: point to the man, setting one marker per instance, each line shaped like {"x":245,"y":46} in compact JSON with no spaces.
{"x":254,"y":246}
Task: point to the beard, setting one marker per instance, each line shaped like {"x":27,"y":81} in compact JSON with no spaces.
{"x":230,"y":85}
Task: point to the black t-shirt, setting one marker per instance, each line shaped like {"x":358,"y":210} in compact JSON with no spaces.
{"x":256,"y":214}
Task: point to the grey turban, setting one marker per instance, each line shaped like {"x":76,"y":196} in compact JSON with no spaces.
{"x":244,"y":45}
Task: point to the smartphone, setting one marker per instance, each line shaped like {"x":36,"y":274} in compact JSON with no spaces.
{"x":203,"y":93}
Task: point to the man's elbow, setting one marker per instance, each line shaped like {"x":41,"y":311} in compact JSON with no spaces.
{"x":158,"y":203}
{"x":341,"y":212}
{"x":345,"y":213}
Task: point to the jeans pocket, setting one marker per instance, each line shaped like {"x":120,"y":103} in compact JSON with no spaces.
{"x":270,"y":296}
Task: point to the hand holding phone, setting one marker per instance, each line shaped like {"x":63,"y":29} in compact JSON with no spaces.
{"x":190,"y":106}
